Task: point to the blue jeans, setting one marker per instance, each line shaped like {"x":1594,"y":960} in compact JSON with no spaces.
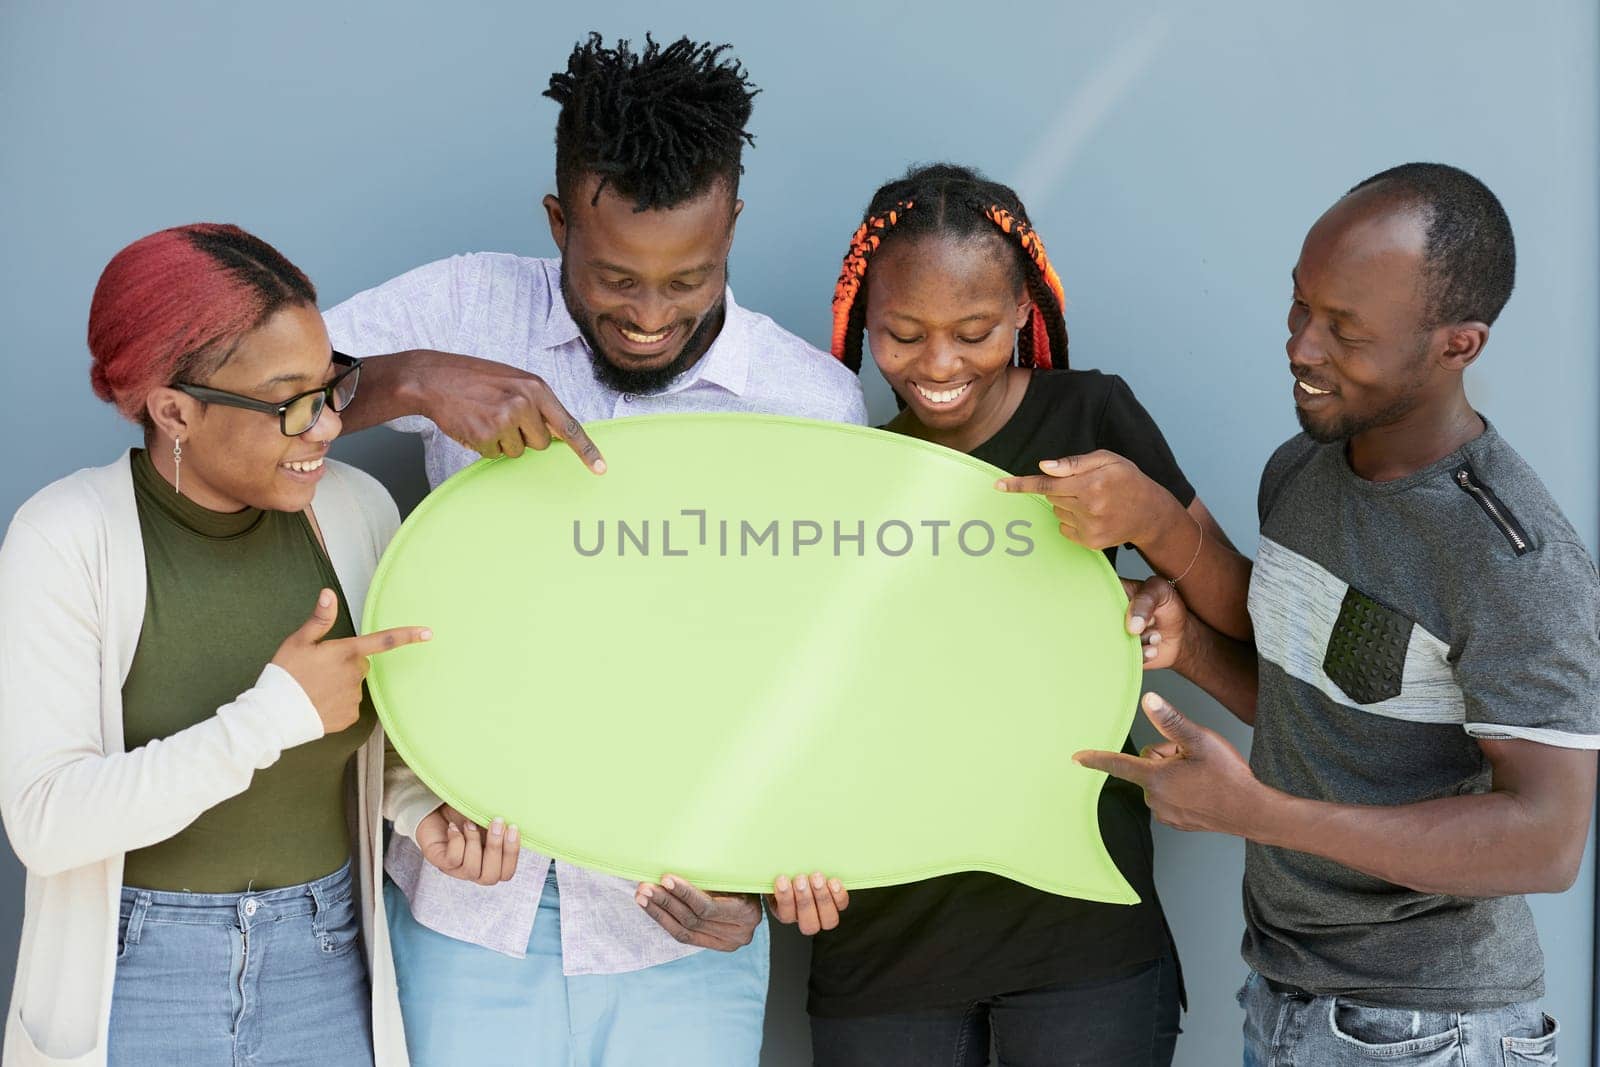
{"x":229,"y":979}
{"x":1288,"y":1029}
{"x":465,"y":1004}
{"x":1124,"y":1022}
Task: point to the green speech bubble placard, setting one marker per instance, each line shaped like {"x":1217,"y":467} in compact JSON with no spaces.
{"x":760,"y":645}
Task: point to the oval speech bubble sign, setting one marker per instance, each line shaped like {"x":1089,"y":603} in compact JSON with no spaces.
{"x":759,"y":645}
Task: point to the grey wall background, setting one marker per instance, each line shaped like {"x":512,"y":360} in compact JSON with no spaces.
{"x":1173,"y":156}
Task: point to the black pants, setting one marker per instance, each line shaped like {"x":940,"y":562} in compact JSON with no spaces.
{"x":1125,"y":1022}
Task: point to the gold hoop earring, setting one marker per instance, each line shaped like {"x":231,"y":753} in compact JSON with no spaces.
{"x":177,"y":465}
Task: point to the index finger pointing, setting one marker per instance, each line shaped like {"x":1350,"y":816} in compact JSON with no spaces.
{"x":566,"y":427}
{"x":1031,"y":483}
{"x":1117,"y":764}
{"x":385,"y":640}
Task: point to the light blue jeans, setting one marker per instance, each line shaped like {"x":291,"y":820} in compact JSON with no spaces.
{"x":465,"y":1004}
{"x":1299,"y":1030}
{"x":234,"y":979}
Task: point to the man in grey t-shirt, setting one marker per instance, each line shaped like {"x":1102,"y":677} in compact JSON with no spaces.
{"x":1425,"y":670}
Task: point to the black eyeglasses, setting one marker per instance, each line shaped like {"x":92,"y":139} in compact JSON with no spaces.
{"x":300,"y":412}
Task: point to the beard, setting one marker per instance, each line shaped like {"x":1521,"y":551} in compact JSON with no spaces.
{"x":1343,"y":427}
{"x":648,"y":379}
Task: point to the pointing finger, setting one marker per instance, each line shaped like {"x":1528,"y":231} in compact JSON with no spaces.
{"x":1040,"y":484}
{"x":384,"y":640}
{"x":1117,"y":764}
{"x":564,"y":426}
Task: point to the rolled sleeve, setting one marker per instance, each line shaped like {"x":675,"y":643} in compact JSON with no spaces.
{"x":1530,"y":665}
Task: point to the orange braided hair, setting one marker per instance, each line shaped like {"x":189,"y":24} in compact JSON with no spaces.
{"x":1033,"y":247}
{"x":863,"y":243}
{"x":1043,"y":290}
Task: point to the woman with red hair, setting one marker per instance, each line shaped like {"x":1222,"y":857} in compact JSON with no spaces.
{"x":190,"y":769}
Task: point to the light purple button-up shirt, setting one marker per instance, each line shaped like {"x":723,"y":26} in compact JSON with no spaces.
{"x":509,"y":309}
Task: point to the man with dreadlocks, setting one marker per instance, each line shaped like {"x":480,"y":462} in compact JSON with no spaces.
{"x":503,"y":955}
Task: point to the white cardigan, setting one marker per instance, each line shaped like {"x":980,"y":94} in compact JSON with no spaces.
{"x":72,"y":598}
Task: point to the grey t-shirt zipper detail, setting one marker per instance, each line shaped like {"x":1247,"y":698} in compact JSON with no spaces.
{"x":1498,"y":513}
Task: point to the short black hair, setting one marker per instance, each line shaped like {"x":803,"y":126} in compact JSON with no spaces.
{"x":658,"y":126}
{"x":1471,"y":257}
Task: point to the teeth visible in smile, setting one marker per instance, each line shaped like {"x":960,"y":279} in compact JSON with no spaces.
{"x":944,"y":396}
{"x":305,"y":466}
{"x":644,"y":338}
{"x":1314,"y":391}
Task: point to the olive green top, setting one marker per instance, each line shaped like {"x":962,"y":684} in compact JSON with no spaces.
{"x":223,"y":591}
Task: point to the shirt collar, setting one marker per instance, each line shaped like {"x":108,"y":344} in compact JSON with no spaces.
{"x":726,"y":363}
{"x":559,"y":326}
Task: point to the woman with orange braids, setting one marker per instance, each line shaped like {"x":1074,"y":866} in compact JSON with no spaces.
{"x":190,"y":769}
{"x":951,"y":287}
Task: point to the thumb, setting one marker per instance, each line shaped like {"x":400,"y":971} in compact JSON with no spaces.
{"x":1145,"y":601}
{"x":1172,"y":724}
{"x":1064,"y":467}
{"x":323,"y":616}
{"x":1067,"y":466}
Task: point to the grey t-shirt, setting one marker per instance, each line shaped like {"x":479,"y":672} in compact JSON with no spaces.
{"x":1396,"y":623}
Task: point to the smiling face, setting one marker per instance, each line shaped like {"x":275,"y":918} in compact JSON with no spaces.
{"x":234,"y":458}
{"x":645,"y":287}
{"x":942,"y":315}
{"x":1361,"y":349}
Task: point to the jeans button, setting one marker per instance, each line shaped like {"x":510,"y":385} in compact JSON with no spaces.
{"x":627,"y":398}
{"x":251,"y":905}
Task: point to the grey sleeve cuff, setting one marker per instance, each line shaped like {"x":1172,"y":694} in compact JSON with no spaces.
{"x":1541,"y":735}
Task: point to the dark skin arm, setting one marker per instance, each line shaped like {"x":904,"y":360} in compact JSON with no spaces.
{"x":1525,"y":836}
{"x":725,"y":922}
{"x":1225,"y":668}
{"x":1102,"y":499}
{"x":489,"y":407}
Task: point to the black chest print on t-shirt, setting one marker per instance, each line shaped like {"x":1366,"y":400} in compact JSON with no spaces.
{"x":1366,"y":654}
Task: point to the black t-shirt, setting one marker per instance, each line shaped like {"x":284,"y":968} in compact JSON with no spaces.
{"x":965,"y":937}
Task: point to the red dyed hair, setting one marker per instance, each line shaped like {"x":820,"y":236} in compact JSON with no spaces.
{"x":173,"y":306}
